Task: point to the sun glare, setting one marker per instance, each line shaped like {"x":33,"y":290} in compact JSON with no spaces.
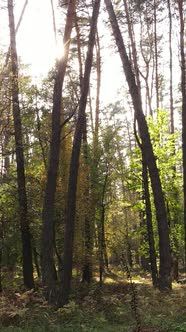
{"x":59,"y":51}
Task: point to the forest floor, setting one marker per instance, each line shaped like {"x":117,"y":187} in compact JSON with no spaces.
{"x":117,"y":306}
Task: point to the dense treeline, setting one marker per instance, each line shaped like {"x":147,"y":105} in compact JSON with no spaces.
{"x":85,"y":185}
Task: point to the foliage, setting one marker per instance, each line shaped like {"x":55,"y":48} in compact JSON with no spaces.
{"x":97,"y":309}
{"x":109,"y":188}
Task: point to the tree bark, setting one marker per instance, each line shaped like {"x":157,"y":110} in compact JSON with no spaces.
{"x":48,"y":270}
{"x":74,"y":164}
{"x":150,"y":159}
{"x":25,"y":231}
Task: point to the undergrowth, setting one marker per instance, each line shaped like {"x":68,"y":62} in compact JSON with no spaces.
{"x":91,"y":308}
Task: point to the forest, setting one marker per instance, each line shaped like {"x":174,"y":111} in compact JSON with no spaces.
{"x":93,"y":169}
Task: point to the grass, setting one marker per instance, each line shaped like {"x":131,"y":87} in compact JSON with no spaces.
{"x":106,"y":309}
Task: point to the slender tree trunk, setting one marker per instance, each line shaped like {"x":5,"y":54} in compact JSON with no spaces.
{"x":54,"y":21}
{"x":100,"y":244}
{"x":103,"y":258}
{"x":152,"y":252}
{"x":79,"y":52}
{"x":89,"y":227}
{"x":133,"y":43}
{"x":170,"y":70}
{"x":7,"y":137}
{"x":144,"y":259}
{"x":127,"y":238}
{"x":36,"y":262}
{"x":128,"y":244}
{"x":40,"y":138}
{"x":74,"y":164}
{"x":101,"y":233}
{"x":183,"y":90}
{"x":48,"y":268}
{"x":147,"y":59}
{"x":149,"y":236}
{"x":150,"y":160}
{"x":174,"y":251}
{"x":98,"y":87}
{"x":148,"y":212}
{"x":156,"y":55}
{"x":9,"y":51}
{"x":87,"y":266}
{"x":25,"y":231}
{"x":105,"y":254}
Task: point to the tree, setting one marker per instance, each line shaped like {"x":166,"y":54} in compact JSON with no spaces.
{"x":25,"y":231}
{"x":74,"y":164}
{"x":150,"y":160}
{"x":168,"y":158}
{"x":90,"y":224}
{"x":155,"y":4}
{"x":148,"y":216}
{"x":48,"y":269}
{"x":171,"y":69}
{"x":183,"y":91}
{"x":8,"y":53}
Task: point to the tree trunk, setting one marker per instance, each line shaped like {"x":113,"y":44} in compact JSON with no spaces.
{"x":101,"y":234}
{"x":87,"y":267}
{"x":132,"y":41}
{"x":100,"y":244}
{"x":175,"y":250}
{"x":170,"y":70}
{"x":89,"y":222}
{"x":4,"y":67}
{"x":48,"y":268}
{"x":156,"y":55}
{"x":79,"y":52}
{"x":183,"y":90}
{"x":25,"y":231}
{"x":88,"y":229}
{"x":35,"y":254}
{"x":147,"y":57}
{"x":148,"y":212}
{"x":150,"y":159}
{"x":54,"y":21}
{"x":74,"y":164}
{"x":152,"y":252}
{"x":39,"y":136}
{"x":88,"y":243}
